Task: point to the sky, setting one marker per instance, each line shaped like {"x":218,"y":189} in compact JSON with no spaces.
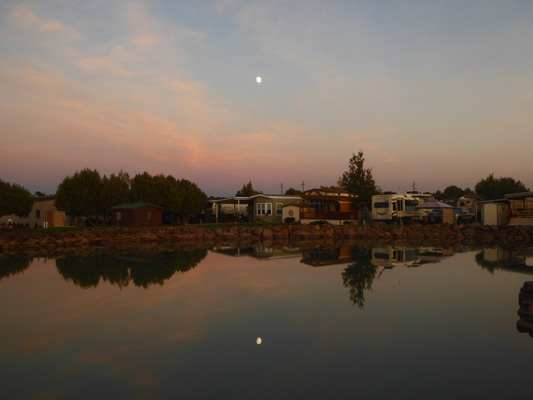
{"x":435,"y":93}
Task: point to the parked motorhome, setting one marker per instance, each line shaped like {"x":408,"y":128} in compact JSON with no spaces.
{"x":393,"y":207}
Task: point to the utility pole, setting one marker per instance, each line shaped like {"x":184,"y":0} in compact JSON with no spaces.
{"x":303,"y":186}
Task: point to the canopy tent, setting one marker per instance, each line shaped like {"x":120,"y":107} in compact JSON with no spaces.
{"x":446,"y":210}
{"x":432,"y":205}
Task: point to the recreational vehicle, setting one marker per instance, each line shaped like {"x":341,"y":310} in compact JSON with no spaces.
{"x":394,"y":207}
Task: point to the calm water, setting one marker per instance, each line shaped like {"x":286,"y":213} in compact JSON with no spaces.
{"x":259,"y":323}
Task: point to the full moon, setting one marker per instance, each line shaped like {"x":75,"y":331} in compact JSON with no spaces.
{"x":258,"y":79}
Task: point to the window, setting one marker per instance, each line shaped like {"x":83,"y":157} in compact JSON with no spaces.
{"x":381,"y":204}
{"x":149,"y":215}
{"x":279,"y":208}
{"x":37,"y":213}
{"x":264,"y":209}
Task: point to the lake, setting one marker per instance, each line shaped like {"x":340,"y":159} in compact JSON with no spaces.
{"x":266,"y":323}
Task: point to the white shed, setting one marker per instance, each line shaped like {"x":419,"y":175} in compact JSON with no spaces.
{"x":494,"y":212}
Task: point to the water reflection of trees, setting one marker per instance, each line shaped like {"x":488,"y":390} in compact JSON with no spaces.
{"x":10,"y":266}
{"x":497,"y":258}
{"x":141,"y":269}
{"x":359,"y":275}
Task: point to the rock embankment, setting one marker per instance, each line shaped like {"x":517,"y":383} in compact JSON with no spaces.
{"x":472,"y":233}
{"x":525,"y":312}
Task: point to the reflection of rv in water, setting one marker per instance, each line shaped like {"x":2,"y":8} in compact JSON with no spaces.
{"x":392,"y":256}
{"x":393,"y":206}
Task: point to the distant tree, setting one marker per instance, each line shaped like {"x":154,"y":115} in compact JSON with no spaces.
{"x":180,"y":199}
{"x":115,"y":191}
{"x":497,"y":188}
{"x":452,"y":192}
{"x":80,"y":195}
{"x":143,"y":189}
{"x":247,"y":190}
{"x":359,"y":181}
{"x":333,"y":187}
{"x":15,"y":199}
{"x":293,"y":192}
{"x":193,"y":199}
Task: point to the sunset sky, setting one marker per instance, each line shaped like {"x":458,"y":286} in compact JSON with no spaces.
{"x":434,"y":92}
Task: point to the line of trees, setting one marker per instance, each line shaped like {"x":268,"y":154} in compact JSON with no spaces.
{"x":15,"y":199}
{"x":486,"y":189}
{"x":87,"y":194}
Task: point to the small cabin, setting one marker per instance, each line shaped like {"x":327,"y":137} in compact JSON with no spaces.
{"x":137,"y":214}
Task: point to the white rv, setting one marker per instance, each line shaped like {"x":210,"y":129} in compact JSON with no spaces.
{"x":393,"y":207}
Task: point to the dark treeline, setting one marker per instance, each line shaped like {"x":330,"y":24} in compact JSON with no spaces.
{"x":87,"y":194}
{"x":141,"y":269}
{"x":15,"y":199}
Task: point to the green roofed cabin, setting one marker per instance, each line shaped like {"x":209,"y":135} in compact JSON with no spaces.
{"x":137,"y":214}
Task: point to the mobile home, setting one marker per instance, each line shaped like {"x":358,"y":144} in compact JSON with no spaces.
{"x":394,"y":206}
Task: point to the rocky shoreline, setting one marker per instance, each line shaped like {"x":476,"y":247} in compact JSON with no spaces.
{"x":72,"y":241}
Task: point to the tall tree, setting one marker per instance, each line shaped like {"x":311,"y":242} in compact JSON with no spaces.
{"x":292,"y":192}
{"x":180,"y":199}
{"x":497,"y":188}
{"x":15,"y":199}
{"x":80,"y":195}
{"x":247,"y":190}
{"x":194,"y":200}
{"x":115,"y":191}
{"x":359,"y":181}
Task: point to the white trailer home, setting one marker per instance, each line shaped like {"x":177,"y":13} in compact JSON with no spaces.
{"x":394,"y":206}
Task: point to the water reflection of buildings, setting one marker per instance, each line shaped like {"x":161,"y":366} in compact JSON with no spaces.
{"x":261,"y":253}
{"x":392,"y":256}
{"x":321,"y":257}
{"x":514,"y":260}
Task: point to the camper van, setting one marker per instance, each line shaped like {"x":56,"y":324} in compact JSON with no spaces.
{"x":395,"y":207}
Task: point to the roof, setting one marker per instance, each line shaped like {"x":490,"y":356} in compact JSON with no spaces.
{"x":519,"y":195}
{"x":493,"y":201}
{"x":275,"y":196}
{"x":133,"y":206}
{"x":432,"y":205}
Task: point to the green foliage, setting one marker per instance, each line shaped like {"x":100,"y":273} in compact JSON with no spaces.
{"x":15,"y":199}
{"x":497,"y":188}
{"x":180,"y":199}
{"x":115,"y":191}
{"x":365,"y":216}
{"x":11,"y":266}
{"x":247,"y":190}
{"x":85,"y":194}
{"x":359,"y":276}
{"x":80,"y":195}
{"x":87,"y":272}
{"x":293,"y":192}
{"x":359,"y":181}
{"x":452,"y":192}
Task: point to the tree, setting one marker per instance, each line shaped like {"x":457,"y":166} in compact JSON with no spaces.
{"x":180,"y":199}
{"x":247,"y":190}
{"x":292,"y":192}
{"x":115,"y":191}
{"x":15,"y":199}
{"x":497,"y":188}
{"x":193,"y":199}
{"x":143,"y":189}
{"x":359,"y":181}
{"x":81,"y":195}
